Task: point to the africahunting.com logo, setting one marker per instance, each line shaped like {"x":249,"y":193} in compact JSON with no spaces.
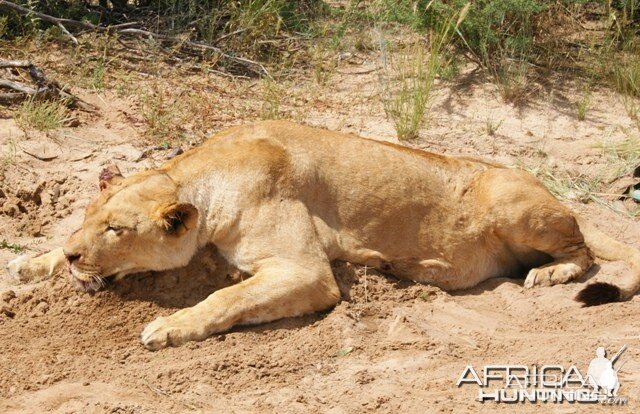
{"x":549,"y":383}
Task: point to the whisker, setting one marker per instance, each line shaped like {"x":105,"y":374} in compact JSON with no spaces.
{"x":99,"y":279}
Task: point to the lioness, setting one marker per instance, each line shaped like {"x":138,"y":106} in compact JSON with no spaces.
{"x":281,"y":201}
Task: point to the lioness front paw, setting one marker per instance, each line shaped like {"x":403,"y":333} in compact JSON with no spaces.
{"x":173,"y":330}
{"x":14,"y":267}
{"x":21,"y":270}
{"x":27,"y":268}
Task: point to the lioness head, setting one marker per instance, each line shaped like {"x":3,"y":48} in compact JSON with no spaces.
{"x":136,"y":224}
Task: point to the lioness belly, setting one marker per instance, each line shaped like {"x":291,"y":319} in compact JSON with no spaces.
{"x":464,"y":266}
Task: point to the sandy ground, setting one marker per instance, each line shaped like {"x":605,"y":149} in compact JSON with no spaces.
{"x":389,"y":346}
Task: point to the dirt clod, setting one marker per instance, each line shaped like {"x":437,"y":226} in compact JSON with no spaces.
{"x":8,"y":296}
{"x":5,"y":310}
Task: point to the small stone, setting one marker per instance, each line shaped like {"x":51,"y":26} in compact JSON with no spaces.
{"x":55,"y":193}
{"x":73,"y":122}
{"x":142,"y":155}
{"x":41,"y":308}
{"x":174,"y":153}
{"x":45,"y":198}
{"x":11,"y":209}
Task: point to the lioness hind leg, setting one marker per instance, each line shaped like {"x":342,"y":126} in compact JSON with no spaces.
{"x":280,"y":288}
{"x":33,"y":269}
{"x":530,"y":216}
{"x":552,"y":229}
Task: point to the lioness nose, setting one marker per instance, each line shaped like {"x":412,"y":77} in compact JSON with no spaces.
{"x":72,"y":257}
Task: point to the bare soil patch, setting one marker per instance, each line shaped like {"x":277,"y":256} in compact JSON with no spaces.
{"x":389,"y":346}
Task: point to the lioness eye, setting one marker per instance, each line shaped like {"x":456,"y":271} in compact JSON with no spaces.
{"x":115,"y":229}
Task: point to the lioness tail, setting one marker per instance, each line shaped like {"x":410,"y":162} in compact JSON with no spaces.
{"x":608,"y":248}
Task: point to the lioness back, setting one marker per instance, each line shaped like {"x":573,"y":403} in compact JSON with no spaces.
{"x":372,"y":202}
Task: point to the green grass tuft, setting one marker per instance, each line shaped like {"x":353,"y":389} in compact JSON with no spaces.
{"x":15,"y":248}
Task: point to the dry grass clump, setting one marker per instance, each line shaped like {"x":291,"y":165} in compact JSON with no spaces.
{"x":41,"y":114}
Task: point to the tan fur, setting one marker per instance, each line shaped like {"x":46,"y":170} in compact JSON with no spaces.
{"x":281,"y":201}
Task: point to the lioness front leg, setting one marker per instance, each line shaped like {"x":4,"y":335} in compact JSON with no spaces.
{"x":280,"y":288}
{"x":26,"y":268}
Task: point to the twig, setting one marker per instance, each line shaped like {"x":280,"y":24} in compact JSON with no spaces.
{"x":156,"y":389}
{"x":362,"y":72}
{"x":221,"y":38}
{"x":65,"y":31}
{"x":123,"y":25}
{"x":227,"y":75}
{"x":471,"y":54}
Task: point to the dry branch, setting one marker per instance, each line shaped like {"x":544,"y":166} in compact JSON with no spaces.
{"x":14,"y":64}
{"x":125,"y":29}
{"x":45,"y":87}
{"x":12,"y":97}
{"x":17,"y":86}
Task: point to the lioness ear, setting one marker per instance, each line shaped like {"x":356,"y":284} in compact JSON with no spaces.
{"x":109,"y":176}
{"x":177,"y":219}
